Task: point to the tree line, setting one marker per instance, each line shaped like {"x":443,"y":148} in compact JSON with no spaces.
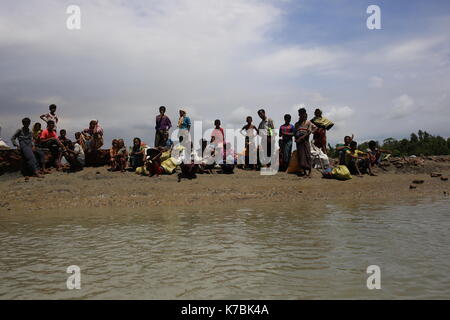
{"x":420,"y":144}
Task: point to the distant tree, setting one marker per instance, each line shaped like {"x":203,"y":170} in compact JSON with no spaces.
{"x":422,"y":143}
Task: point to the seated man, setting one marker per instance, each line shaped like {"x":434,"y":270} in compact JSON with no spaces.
{"x":343,"y":148}
{"x":375,"y":153}
{"x":75,"y":156}
{"x":230,"y":160}
{"x":49,"y":139}
{"x":357,"y":161}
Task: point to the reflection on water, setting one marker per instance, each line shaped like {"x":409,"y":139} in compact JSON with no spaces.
{"x":308,"y":252}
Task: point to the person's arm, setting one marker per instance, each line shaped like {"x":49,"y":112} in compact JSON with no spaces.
{"x":290,"y":134}
{"x":313,"y":127}
{"x":43,"y":117}
{"x":14,"y":139}
{"x":240,"y":131}
{"x":169,"y":123}
{"x":188,"y":123}
{"x":56,"y":119}
{"x":47,"y":139}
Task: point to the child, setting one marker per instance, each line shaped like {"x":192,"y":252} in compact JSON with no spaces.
{"x":122,"y":155}
{"x":287,"y":131}
{"x":250,"y":145}
{"x":218,"y":139}
{"x":51,"y":115}
{"x":113,"y":155}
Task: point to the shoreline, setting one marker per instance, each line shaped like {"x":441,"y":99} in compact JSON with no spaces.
{"x":99,"y":188}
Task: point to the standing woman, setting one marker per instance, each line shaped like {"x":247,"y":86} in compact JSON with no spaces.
{"x":303,"y":129}
{"x":320,"y":135}
{"x":184,"y":124}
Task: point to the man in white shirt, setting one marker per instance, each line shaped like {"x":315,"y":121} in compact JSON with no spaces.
{"x":76,"y":156}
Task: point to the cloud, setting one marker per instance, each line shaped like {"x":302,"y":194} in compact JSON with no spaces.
{"x":339,"y":113}
{"x":376,"y":82}
{"x":295,"y":60}
{"x":402,"y":106}
{"x":219,"y":60}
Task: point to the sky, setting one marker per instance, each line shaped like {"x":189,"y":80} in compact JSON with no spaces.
{"x":225,"y":59}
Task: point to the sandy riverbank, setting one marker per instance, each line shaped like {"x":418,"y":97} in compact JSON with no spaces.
{"x":96,"y":187}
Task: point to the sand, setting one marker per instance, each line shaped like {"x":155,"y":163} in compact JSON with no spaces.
{"x":99,"y":188}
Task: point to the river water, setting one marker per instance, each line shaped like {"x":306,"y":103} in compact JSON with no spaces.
{"x":316,"y":251}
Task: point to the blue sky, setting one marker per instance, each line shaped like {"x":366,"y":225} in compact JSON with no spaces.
{"x":226,"y":59}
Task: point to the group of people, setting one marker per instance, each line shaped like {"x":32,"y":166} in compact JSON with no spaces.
{"x":217,"y":153}
{"x":34,"y":143}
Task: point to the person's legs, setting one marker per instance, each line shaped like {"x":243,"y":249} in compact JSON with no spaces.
{"x":29,"y":158}
{"x":287,"y":153}
{"x":342,"y":157}
{"x":40,"y":159}
{"x":158,"y":137}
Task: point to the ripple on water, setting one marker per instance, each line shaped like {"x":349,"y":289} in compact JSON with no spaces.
{"x":229,"y":254}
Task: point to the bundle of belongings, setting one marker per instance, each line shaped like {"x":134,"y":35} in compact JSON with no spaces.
{"x":319,"y":158}
{"x":339,"y":172}
{"x":3,"y":144}
{"x":322,"y":122}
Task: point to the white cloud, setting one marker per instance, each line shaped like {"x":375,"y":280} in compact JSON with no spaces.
{"x":295,"y":60}
{"x":376,"y":82}
{"x":402,"y":106}
{"x":338,"y":114}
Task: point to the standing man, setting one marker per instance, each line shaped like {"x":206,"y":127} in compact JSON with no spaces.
{"x":163,"y":125}
{"x":24,"y":138}
{"x":46,"y":117}
{"x":265,"y":129}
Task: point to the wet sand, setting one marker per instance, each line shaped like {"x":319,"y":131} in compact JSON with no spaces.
{"x":99,"y":188}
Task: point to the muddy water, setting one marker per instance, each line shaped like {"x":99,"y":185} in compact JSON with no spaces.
{"x":260,"y":253}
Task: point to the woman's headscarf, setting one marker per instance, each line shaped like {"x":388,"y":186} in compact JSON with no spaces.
{"x":97,"y":128}
{"x":181,"y":120}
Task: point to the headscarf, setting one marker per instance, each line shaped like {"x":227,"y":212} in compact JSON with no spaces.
{"x":181,"y":120}
{"x":36,"y":132}
{"x":97,"y":129}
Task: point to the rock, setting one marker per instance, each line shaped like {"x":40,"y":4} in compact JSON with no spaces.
{"x":444,"y":178}
{"x":412,"y":186}
{"x":435,"y":175}
{"x":418,"y":181}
